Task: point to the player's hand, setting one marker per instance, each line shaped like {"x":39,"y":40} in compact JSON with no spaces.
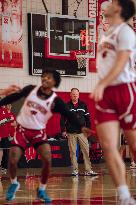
{"x":98,"y":92}
{"x":64,"y":134}
{"x":14,"y":124}
{"x":11,"y":89}
{"x":86,"y":131}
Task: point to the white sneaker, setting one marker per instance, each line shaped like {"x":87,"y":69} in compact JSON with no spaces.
{"x":90,"y":173}
{"x":75,"y":172}
{"x":129,"y":201}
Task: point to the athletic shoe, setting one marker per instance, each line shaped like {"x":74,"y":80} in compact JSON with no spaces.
{"x":90,"y":173}
{"x":129,"y":201}
{"x":42,"y":195}
{"x":13,"y":188}
{"x":75,"y":172}
{"x":133,"y":165}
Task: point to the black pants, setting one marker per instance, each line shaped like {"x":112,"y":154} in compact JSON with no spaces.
{"x":5,"y":145}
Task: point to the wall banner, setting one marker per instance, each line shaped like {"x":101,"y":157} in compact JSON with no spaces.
{"x":96,"y":10}
{"x":11,"y":51}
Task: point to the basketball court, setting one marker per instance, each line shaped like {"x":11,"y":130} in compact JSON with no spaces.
{"x":67,"y":190}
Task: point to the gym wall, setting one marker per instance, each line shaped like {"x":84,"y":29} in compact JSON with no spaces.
{"x":21,"y":76}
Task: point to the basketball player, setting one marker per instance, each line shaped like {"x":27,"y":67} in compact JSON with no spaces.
{"x":16,"y":28}
{"x":115,"y":94}
{"x":37,"y":109}
{"x":4,"y":118}
{"x":6,"y":28}
{"x":9,"y":90}
{"x":7,"y":130}
{"x":103,"y":22}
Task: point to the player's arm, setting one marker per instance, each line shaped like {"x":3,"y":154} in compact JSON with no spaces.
{"x":60,"y":107}
{"x":9,"y":90}
{"x":126,"y":44}
{"x":17,"y":95}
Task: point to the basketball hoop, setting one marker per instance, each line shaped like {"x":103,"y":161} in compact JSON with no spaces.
{"x":82,"y":57}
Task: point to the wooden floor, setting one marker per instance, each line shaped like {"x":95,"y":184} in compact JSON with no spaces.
{"x":67,"y":190}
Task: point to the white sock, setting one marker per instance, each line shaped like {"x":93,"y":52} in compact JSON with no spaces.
{"x":123,"y":192}
{"x":14,"y":181}
{"x":42,"y":186}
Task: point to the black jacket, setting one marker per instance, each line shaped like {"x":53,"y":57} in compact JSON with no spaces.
{"x":82,"y":114}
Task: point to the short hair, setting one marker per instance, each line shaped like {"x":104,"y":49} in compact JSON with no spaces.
{"x":74,"y":89}
{"x":128,"y":9}
{"x":56,"y":76}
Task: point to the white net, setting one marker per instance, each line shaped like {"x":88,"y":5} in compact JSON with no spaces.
{"x":82,"y":61}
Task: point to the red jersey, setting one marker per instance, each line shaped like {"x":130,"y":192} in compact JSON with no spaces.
{"x":6,"y":120}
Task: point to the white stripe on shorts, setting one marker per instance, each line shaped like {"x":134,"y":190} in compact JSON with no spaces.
{"x":130,"y":104}
{"x":104,"y":110}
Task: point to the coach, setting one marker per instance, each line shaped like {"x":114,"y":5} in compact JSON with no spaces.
{"x":75,"y":135}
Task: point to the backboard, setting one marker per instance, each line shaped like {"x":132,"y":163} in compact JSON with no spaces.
{"x":51,"y":38}
{"x":65,"y":34}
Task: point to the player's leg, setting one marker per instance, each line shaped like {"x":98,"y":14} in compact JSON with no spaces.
{"x":122,"y":146}
{"x":9,"y":44}
{"x":133,"y":164}
{"x":44,"y":151}
{"x":121,"y":150}
{"x":6,"y":146}
{"x":128,"y":122}
{"x":2,"y":155}
{"x":10,"y":51}
{"x":84,"y":145}
{"x":4,"y":44}
{"x":108,"y":134}
{"x":14,"y":156}
{"x":9,"y":48}
{"x":131,"y":138}
{"x":2,"y":51}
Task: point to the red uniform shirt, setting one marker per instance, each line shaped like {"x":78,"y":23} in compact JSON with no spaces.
{"x":6,"y":120}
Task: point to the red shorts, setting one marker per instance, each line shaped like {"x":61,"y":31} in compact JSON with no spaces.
{"x":118,"y":104}
{"x":23,"y":138}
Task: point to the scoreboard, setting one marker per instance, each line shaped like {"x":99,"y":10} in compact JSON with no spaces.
{"x":37,"y":32}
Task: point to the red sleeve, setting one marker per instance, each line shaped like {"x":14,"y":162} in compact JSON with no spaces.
{"x":4,"y":129}
{"x":7,"y":129}
{"x":12,"y":127}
